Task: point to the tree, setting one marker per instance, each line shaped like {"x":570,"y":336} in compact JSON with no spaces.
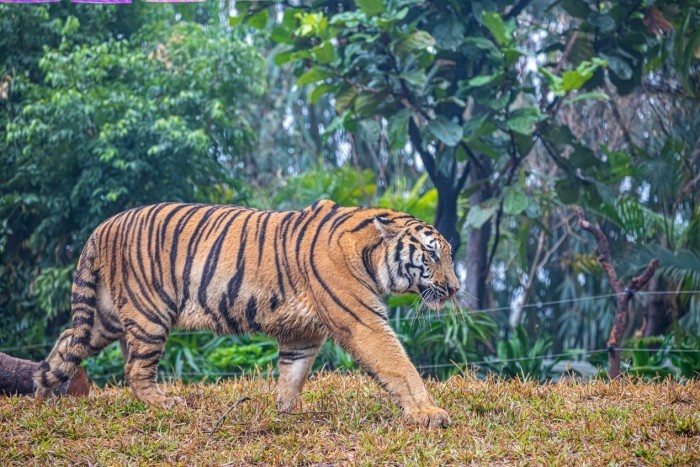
{"x":446,"y":78}
{"x":106,"y":125}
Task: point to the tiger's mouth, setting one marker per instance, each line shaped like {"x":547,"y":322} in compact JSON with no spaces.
{"x":437,"y":304}
{"x":433,"y":298}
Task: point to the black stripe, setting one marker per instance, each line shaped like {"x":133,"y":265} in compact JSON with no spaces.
{"x":142,"y":334}
{"x":74,"y":359}
{"x":251,"y":311}
{"x":261,"y":236}
{"x":212,"y":261}
{"x":224,"y":311}
{"x":78,"y":299}
{"x":274,"y":302}
{"x":83,"y":321}
{"x":174,"y":247}
{"x":192,"y":246}
{"x":370,"y":220}
{"x":275,"y":244}
{"x":314,"y":269}
{"x":146,"y":356}
{"x":60,"y":375}
{"x":83,"y":283}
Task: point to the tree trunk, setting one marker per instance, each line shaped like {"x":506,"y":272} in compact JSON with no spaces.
{"x":656,"y":312}
{"x":16,"y":377}
{"x":446,"y":215}
{"x":477,"y":254}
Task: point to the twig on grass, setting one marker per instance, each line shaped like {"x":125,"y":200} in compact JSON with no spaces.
{"x":223,"y":417}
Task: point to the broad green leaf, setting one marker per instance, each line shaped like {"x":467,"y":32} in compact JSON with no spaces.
{"x":282,"y":35}
{"x":603,"y":22}
{"x":348,"y":19}
{"x":523,"y":120}
{"x":369,"y":130}
{"x":418,"y":40}
{"x":344,"y":99}
{"x":515,"y":200}
{"x":567,"y":191}
{"x":484,"y":80}
{"x":324,"y":53}
{"x":511,"y":55}
{"x":366,"y":103}
{"x":620,"y":67}
{"x":241,"y":13}
{"x":445,"y":130}
{"x":472,"y":127}
{"x":494,"y":23}
{"x":388,"y":19}
{"x":314,"y":75}
{"x":556,"y":83}
{"x":259,"y":19}
{"x":583,"y":157}
{"x":284,"y":57}
{"x":319,"y":91}
{"x":558,"y":135}
{"x":371,"y":7}
{"x":449,"y":33}
{"x":481,"y":213}
{"x":573,"y":80}
{"x":397,"y":129}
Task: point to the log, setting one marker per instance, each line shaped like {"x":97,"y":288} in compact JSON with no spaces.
{"x":16,"y":377}
{"x":623,"y":293}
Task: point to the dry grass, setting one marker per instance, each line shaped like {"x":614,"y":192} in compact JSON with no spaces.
{"x":494,"y":422}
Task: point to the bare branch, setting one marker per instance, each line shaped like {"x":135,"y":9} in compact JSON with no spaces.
{"x":624,"y":294}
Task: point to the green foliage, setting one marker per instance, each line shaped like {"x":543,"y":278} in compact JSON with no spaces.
{"x":346,"y":186}
{"x":95,"y":125}
{"x":193,"y":356}
{"x":660,"y":356}
{"x":439,"y":345}
{"x":518,"y":357}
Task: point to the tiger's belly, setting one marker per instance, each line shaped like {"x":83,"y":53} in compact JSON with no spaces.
{"x":295,"y":318}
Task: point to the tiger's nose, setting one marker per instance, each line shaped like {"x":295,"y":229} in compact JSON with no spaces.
{"x":452,"y":289}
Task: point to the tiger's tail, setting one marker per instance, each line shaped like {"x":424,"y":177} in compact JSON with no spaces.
{"x":74,"y":344}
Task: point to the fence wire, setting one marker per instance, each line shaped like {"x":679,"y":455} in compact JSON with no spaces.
{"x":576,"y":353}
{"x":431,"y":317}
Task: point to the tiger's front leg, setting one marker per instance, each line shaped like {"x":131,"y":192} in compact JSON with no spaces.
{"x":295,"y":361}
{"x":376,"y":348}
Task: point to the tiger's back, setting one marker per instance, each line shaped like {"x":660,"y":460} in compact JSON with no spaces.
{"x":299,"y":276}
{"x":222,"y":268}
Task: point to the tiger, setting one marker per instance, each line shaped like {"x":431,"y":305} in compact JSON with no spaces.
{"x":300,"y":277}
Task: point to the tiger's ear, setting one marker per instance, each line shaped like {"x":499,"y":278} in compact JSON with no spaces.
{"x":386,"y":229}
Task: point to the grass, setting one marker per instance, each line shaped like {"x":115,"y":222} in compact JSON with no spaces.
{"x":350,"y":421}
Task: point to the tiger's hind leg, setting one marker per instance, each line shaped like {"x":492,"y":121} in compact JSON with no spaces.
{"x":145,"y":341}
{"x":295,"y":361}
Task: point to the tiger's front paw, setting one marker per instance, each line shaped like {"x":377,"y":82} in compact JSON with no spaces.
{"x":431,"y":417}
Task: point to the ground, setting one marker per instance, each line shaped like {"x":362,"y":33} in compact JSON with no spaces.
{"x":350,"y":421}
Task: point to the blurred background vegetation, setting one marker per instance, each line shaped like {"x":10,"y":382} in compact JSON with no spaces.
{"x":490,"y":119}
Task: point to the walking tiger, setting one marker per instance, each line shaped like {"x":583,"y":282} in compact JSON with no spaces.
{"x":298,"y":276}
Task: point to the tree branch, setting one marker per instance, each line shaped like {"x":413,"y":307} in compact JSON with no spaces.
{"x":517,"y":9}
{"x":623,"y":294}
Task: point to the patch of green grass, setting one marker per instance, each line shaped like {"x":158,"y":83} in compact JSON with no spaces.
{"x":349,"y":419}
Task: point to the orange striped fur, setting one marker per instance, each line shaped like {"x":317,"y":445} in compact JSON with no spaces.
{"x":299,"y":276}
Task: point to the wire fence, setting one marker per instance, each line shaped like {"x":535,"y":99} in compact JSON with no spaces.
{"x":578,"y":353}
{"x":431,"y":316}
{"x":560,"y":357}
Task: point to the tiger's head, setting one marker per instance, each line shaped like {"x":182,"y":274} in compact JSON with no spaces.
{"x":417,"y":259}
